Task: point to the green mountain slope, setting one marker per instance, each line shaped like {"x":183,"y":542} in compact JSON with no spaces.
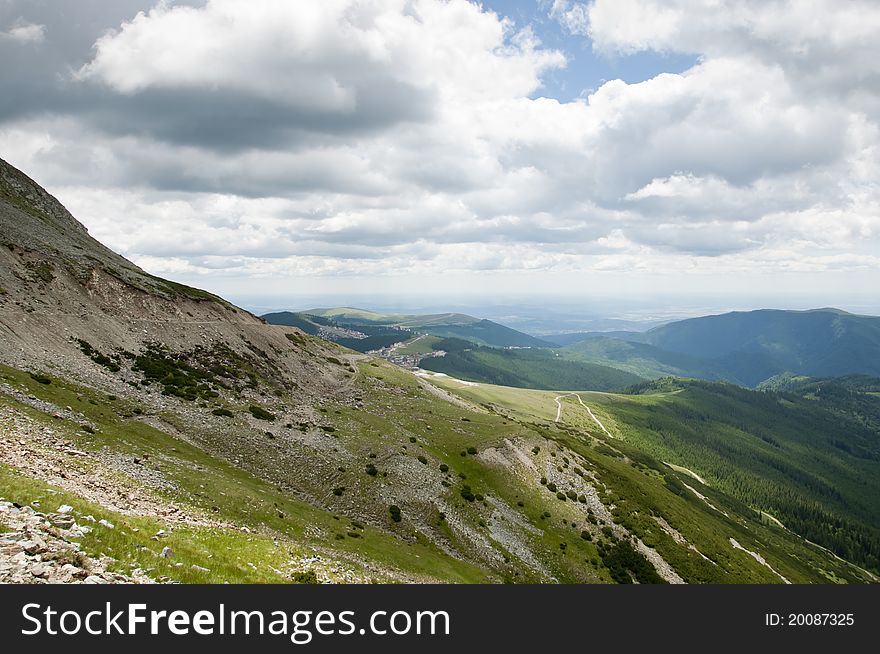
{"x":811,"y":464}
{"x":744,"y":347}
{"x":527,"y":369}
{"x":641,"y":359}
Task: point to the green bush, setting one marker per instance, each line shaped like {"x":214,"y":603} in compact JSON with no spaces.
{"x":560,"y":496}
{"x":101,"y":359}
{"x":223,"y":412}
{"x":394,"y":510}
{"x":472,"y":450}
{"x":444,"y":467}
{"x":467,"y":493}
{"x":260,"y":413}
{"x":551,"y":487}
{"x":40,"y":379}
{"x":572,"y":495}
{"x":307,"y":577}
{"x":338,"y":491}
{"x":422,"y":459}
{"x":371,"y":470}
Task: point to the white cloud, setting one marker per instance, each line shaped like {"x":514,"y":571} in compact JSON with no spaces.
{"x":403,"y":137}
{"x":23,"y":33}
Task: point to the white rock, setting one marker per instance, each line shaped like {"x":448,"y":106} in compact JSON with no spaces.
{"x":106,"y":523}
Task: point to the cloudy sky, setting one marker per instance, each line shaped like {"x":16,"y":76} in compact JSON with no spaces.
{"x":269,"y":150}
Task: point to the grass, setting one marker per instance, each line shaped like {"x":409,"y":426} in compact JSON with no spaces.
{"x":423,"y":344}
{"x":529,"y":368}
{"x":638,"y":486}
{"x":643,"y":488}
{"x":227,"y":492}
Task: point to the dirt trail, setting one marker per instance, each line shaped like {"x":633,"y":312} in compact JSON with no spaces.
{"x":589,"y":410}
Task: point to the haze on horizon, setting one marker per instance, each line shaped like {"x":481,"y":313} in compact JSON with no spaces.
{"x":637,"y":156}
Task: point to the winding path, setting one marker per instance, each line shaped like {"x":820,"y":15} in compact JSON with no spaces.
{"x":589,"y":410}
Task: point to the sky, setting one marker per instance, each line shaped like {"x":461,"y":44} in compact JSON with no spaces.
{"x":440,"y":151}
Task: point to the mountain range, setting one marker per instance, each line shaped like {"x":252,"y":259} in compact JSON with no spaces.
{"x":743,"y":347}
{"x":153,"y":432}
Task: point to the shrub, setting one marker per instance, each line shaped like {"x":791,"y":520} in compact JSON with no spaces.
{"x":467,"y":493}
{"x":444,"y":467}
{"x":560,"y":495}
{"x":260,"y":413}
{"x":520,"y":503}
{"x":582,"y":499}
{"x":571,"y":495}
{"x":423,"y":459}
{"x":607,"y":531}
{"x":536,"y":449}
{"x":586,"y":535}
{"x":40,"y":379}
{"x":371,"y":470}
{"x":472,"y":450}
{"x":307,"y":577}
{"x":412,"y":439}
{"x":338,"y":491}
{"x":543,"y":481}
{"x":97,"y":357}
{"x":223,"y":412}
{"x":551,"y":487}
{"x":394,"y":510}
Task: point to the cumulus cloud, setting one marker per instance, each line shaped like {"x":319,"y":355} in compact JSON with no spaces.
{"x":408,"y":137}
{"x":23,"y":33}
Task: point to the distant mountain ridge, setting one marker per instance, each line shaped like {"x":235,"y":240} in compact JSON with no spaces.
{"x":445,"y":325}
{"x":745,"y":347}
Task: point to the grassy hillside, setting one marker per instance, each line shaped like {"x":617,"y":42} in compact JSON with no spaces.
{"x":290,"y":319}
{"x":528,"y":369}
{"x":680,"y":431}
{"x":641,"y":359}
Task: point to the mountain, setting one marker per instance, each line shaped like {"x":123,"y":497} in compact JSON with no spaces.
{"x":807,"y":461}
{"x":444,"y":325}
{"x":360,"y":336}
{"x":539,"y":368}
{"x":150,"y":431}
{"x":641,"y":359}
{"x":745,"y":347}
